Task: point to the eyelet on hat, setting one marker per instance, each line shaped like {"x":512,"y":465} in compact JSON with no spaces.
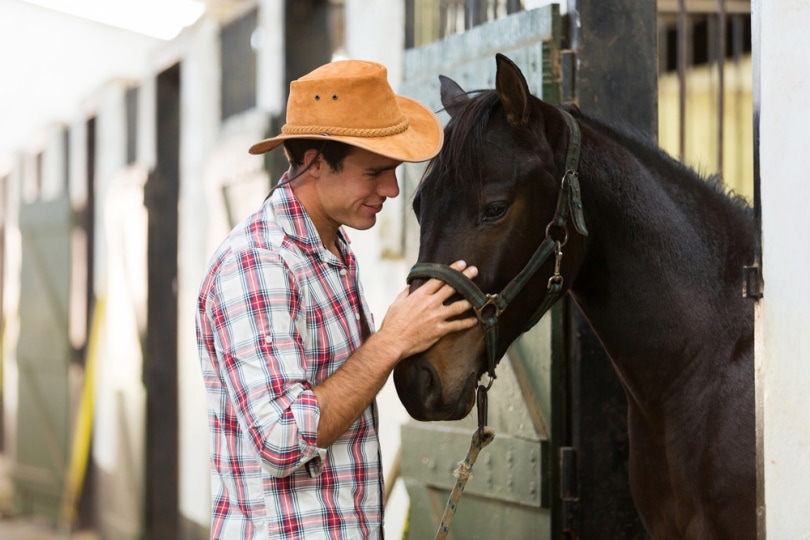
{"x":317,"y":97}
{"x":334,"y":97}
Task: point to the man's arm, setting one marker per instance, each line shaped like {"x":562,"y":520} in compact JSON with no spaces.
{"x":413,"y":323}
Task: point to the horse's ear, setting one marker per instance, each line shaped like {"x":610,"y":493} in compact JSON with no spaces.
{"x":513,"y":91}
{"x":453,"y":96}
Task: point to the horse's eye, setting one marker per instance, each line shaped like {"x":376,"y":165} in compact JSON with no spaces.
{"x":494,"y":211}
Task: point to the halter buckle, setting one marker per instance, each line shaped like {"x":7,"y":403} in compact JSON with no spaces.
{"x":492,"y":300}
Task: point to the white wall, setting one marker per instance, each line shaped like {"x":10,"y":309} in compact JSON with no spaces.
{"x":783,"y":340}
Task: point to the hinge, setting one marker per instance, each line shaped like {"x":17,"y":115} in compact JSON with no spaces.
{"x":569,"y":489}
{"x":753,"y":284}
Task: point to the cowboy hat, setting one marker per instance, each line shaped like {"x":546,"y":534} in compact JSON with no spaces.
{"x":351,"y":101}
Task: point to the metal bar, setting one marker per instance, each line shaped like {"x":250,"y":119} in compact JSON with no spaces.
{"x":443,"y":18}
{"x":410,"y":25}
{"x":721,"y":86}
{"x":682,"y":40}
{"x":469,"y":14}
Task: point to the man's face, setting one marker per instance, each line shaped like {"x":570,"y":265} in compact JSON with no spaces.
{"x":355,"y":195}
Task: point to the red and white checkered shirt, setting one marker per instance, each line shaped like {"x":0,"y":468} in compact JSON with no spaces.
{"x":277,"y":314}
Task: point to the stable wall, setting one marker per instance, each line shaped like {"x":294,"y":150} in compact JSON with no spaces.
{"x":783,"y":347}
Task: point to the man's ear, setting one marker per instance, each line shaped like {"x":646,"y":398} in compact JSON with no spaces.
{"x":312,"y":162}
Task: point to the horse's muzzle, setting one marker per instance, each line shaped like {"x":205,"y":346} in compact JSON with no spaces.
{"x":419,"y":387}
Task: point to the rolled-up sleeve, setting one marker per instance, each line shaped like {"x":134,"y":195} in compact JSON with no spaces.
{"x":263,"y":364}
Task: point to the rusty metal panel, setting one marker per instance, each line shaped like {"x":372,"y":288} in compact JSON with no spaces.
{"x":478,"y":517}
{"x":507,"y":470}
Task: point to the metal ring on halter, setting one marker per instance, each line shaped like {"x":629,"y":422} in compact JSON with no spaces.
{"x":492,"y":300}
{"x":564,"y":184}
{"x":564,"y":228}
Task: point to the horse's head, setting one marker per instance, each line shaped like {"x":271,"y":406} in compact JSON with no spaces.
{"x":488,"y":198}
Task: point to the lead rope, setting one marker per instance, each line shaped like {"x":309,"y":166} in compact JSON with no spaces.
{"x":480,"y":439}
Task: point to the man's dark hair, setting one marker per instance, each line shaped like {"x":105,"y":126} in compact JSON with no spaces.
{"x":334,"y":152}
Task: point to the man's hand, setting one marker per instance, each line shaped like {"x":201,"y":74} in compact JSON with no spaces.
{"x":414,"y":322}
{"x":417,"y":320}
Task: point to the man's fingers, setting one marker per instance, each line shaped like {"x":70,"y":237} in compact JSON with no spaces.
{"x":443,"y":291}
{"x":433,"y":285}
{"x":457,"y":325}
{"x":470,"y":271}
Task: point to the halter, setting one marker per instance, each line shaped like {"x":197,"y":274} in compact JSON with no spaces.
{"x":488,"y":307}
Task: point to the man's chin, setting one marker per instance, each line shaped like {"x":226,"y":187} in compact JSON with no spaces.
{"x":363,"y":224}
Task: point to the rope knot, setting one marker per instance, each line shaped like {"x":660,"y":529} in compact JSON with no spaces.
{"x":463,"y":472}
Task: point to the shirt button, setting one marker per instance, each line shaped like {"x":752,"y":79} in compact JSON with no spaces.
{"x":343,"y":272}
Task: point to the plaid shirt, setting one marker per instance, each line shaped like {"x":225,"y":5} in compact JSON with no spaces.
{"x":277,"y":314}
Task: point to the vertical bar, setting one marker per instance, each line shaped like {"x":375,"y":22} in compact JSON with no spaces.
{"x":736,"y":55}
{"x":160,"y":375}
{"x":475,"y":13}
{"x":443,"y":18}
{"x":721,"y":87}
{"x":66,"y":161}
{"x":569,"y":490}
{"x":682,"y":52}
{"x":410,"y":24}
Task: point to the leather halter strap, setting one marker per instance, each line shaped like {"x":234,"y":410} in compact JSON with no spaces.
{"x":488,"y":307}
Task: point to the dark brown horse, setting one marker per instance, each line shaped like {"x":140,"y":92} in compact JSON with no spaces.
{"x":656,"y":267}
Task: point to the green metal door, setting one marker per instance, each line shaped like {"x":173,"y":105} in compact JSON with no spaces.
{"x":510,"y":492}
{"x":43,"y":357}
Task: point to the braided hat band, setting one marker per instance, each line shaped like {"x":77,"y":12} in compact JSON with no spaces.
{"x":349,"y":132}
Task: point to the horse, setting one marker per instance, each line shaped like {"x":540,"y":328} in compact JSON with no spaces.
{"x":651,"y":252}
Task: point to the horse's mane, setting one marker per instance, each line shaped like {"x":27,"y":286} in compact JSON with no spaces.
{"x":654,"y":157}
{"x":458,"y":164}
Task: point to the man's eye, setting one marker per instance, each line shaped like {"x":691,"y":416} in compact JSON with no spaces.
{"x":494,"y":211}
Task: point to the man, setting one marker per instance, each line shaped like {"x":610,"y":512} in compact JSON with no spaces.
{"x":290,"y":363}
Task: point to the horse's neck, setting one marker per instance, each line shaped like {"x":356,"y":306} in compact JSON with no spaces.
{"x":656,"y":283}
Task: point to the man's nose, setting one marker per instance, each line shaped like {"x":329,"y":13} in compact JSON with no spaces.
{"x":389,"y":187}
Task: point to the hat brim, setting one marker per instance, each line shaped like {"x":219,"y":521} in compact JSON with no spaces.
{"x":420,"y":142}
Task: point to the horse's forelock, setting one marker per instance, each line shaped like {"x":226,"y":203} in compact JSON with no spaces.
{"x":458,"y":165}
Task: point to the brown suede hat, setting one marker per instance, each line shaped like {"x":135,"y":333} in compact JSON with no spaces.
{"x":351,"y":101}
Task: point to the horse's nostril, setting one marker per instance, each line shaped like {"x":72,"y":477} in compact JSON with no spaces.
{"x":427,"y":380}
{"x":418,"y":386}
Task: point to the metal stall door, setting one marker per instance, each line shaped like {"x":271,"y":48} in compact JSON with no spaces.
{"x":43,"y":357}
{"x":510,"y":493}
